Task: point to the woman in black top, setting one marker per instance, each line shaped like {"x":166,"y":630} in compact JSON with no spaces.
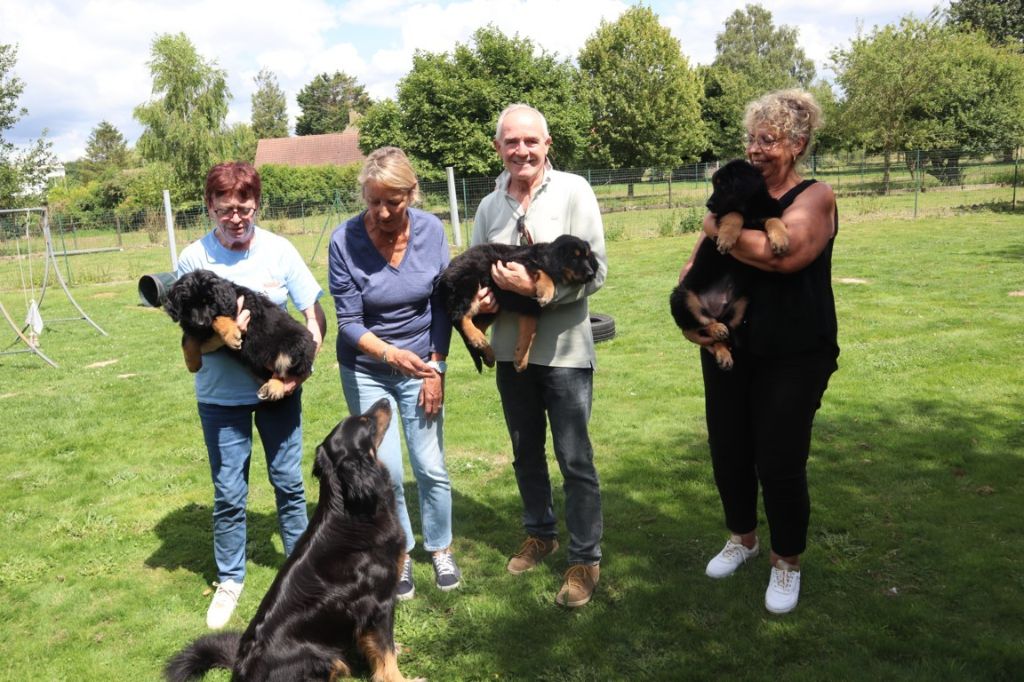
{"x":759,"y":413}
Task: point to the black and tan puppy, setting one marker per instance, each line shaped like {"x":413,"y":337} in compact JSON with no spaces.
{"x":330,"y":611}
{"x":711,"y":301}
{"x":276,"y":344}
{"x":567,"y":260}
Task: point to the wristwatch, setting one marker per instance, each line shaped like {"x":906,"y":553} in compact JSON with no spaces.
{"x":439,"y":366}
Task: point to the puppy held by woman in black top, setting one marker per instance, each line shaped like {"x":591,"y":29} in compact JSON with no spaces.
{"x":760,"y":414}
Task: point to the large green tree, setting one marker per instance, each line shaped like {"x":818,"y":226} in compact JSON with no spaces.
{"x":448,"y":104}
{"x":752,"y":57}
{"x":925,"y":85}
{"x":184,"y":121}
{"x":269,"y":107}
{"x":22,"y":173}
{"x":643,"y":96}
{"x":1001,"y":20}
{"x":106,"y":150}
{"x":326,"y":102}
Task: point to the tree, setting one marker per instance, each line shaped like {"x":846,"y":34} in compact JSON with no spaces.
{"x":924,"y":85}
{"x":269,"y":107}
{"x":753,"y":57}
{"x":326,"y":102}
{"x":448,"y":104}
{"x":1001,"y":20}
{"x":22,"y":174}
{"x":106,"y":150}
{"x":644,"y":99}
{"x":184,"y":122}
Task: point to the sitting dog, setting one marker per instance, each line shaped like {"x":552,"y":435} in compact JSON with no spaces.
{"x":276,"y":344}
{"x":567,"y":260}
{"x":331,"y":608}
{"x":711,"y":300}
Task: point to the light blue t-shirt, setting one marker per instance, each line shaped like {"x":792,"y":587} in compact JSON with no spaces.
{"x":270,"y":265}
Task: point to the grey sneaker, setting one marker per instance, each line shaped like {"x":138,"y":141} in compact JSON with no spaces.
{"x":446,"y":573}
{"x":406,"y":589}
{"x":732,"y":556}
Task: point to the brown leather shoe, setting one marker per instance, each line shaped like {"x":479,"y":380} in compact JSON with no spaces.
{"x":532,"y":552}
{"x":579,"y":585}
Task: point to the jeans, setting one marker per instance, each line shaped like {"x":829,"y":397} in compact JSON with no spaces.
{"x":227,"y":431}
{"x":565,"y":394}
{"x":425,"y":441}
{"x":759,"y":417}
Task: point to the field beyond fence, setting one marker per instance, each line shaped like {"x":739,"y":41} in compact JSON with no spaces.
{"x":912,"y":184}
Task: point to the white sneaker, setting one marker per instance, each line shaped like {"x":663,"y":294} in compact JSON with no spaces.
{"x":783,"y":588}
{"x":225,"y":599}
{"x":732,"y":556}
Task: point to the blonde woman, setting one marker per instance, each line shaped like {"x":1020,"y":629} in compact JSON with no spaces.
{"x":759,"y":414}
{"x":393,"y":337}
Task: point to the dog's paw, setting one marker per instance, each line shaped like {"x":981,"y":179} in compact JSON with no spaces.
{"x":228,"y":331}
{"x":778,"y":236}
{"x":487,"y":354}
{"x":271,"y":391}
{"x":723,"y":358}
{"x":718,"y":331}
{"x":725,"y":242}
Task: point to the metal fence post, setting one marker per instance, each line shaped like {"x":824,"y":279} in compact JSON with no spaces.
{"x":1016,"y":166}
{"x":917,"y":189}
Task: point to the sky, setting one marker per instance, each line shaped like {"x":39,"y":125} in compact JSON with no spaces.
{"x":85,"y":61}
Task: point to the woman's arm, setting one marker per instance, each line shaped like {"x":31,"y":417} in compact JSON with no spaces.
{"x":811,"y":224}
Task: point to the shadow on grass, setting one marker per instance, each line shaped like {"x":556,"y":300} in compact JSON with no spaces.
{"x":904,"y":494}
{"x":186,"y":536}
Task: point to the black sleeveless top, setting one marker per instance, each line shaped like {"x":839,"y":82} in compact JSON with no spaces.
{"x":796,"y":312}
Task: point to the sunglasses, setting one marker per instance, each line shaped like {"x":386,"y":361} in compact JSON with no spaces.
{"x":525,"y":238}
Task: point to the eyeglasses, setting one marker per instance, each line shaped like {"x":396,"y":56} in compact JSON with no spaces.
{"x":525,"y":238}
{"x":762,"y":141}
{"x":227,"y":212}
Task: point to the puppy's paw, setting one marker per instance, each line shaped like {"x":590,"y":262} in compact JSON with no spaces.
{"x":718,"y":331}
{"x":227,"y":329}
{"x":778,"y":236}
{"x":271,"y":391}
{"x":487,"y":353}
{"x":729,"y":227}
{"x":722,"y":357}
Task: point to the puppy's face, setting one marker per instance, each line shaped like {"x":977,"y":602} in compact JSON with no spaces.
{"x":577,"y":263}
{"x":196,"y":298}
{"x":732,"y":185}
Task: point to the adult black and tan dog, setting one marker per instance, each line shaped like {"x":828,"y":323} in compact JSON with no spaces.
{"x":566,"y":260}
{"x":711,"y":301}
{"x":330,"y":611}
{"x":276,"y":345}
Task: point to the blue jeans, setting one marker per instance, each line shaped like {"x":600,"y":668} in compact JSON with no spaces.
{"x":227,"y":431}
{"x":565,"y":394}
{"x":425,"y":441}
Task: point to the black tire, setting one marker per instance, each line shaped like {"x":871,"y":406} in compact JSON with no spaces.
{"x":602,"y":326}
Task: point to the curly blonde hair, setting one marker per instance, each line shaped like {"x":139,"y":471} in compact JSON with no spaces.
{"x":792,"y":113}
{"x":390,"y":167}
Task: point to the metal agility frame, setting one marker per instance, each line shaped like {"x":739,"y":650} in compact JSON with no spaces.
{"x":48,"y":260}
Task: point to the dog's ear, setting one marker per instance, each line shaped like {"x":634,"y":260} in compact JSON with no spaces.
{"x":322,"y":462}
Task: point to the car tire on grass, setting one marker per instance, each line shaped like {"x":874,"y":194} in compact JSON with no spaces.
{"x":602,"y":326}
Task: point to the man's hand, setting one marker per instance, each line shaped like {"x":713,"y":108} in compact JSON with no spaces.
{"x":514,"y":277}
{"x":242,"y":316}
{"x":485,"y":302}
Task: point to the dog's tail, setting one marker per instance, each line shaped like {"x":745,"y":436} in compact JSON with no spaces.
{"x":207,"y":652}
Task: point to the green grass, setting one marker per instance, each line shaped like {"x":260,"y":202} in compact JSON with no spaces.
{"x":912,"y":572}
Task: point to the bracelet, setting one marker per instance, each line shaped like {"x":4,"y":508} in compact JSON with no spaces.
{"x":384,"y":355}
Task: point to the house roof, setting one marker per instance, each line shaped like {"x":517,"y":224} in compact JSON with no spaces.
{"x":311,"y":150}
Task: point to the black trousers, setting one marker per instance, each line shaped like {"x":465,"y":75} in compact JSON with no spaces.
{"x":759,"y":417}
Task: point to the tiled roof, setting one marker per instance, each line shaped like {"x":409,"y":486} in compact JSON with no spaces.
{"x":311,"y":150}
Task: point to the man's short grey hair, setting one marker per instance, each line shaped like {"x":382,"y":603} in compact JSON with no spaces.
{"x":515,"y":107}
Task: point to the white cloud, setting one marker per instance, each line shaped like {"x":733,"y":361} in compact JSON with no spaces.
{"x":84,"y":61}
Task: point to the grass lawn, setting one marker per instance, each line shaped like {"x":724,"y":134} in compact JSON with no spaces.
{"x":917,"y":485}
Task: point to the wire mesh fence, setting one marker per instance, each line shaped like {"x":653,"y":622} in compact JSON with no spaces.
{"x":658,"y":200}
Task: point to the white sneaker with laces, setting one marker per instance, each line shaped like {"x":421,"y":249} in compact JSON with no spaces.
{"x":783,"y":588}
{"x":732,"y":556}
{"x":225,"y":599}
